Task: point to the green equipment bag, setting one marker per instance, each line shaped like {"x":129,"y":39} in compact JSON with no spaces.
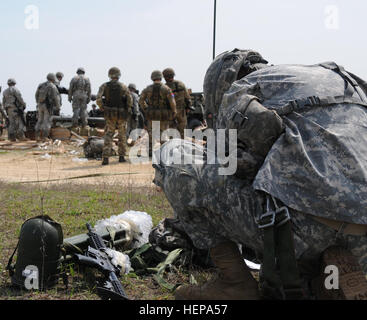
{"x":39,"y":256}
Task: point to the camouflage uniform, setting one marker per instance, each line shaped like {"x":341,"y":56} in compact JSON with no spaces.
{"x":183,"y":101}
{"x":316,"y":164}
{"x":158,"y":104}
{"x":214,"y":208}
{"x":61,"y":90}
{"x":13,"y":102}
{"x":225,"y":69}
{"x":80,"y":95}
{"x":116,"y":118}
{"x":133,"y":123}
{"x":47,"y":98}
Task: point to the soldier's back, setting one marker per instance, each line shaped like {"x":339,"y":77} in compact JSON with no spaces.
{"x":157,"y":94}
{"x":43,"y":91}
{"x":80,"y":83}
{"x":10,"y":96}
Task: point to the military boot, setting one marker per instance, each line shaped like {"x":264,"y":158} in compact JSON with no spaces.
{"x":234,"y":282}
{"x":105,"y":162}
{"x":122,"y":159}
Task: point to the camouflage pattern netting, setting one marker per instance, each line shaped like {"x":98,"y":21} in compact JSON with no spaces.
{"x":318,"y":164}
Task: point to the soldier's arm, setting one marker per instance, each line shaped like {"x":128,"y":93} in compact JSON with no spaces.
{"x":55,"y":96}
{"x":71,"y":89}
{"x":129,"y":100}
{"x":19,"y":98}
{"x":135,"y":104}
{"x":172,"y":101}
{"x":188,"y":101}
{"x":89,"y":89}
{"x":100,"y":94}
{"x":142,"y":100}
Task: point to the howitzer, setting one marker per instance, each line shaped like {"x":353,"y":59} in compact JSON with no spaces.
{"x":97,"y":257}
{"x":98,"y":122}
{"x":62,"y":90}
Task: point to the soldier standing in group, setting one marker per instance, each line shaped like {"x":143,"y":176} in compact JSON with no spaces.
{"x":14,"y":106}
{"x":134,"y":119}
{"x":80,"y":95}
{"x":61,"y":90}
{"x":182,"y":97}
{"x":115,"y":100}
{"x":47,"y":98}
{"x":95,"y":113}
{"x":158,"y":104}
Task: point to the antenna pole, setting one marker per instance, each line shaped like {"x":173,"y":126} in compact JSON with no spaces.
{"x":215,"y":27}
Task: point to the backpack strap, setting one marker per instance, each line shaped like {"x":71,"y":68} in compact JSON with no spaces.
{"x":10,"y":267}
{"x":347,"y":77}
{"x":280,"y":274}
{"x":300,"y":105}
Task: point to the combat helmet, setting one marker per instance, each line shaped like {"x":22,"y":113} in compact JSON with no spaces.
{"x":39,"y":254}
{"x":156,"y":75}
{"x":51,"y":77}
{"x":132,"y":86}
{"x":224,"y":70}
{"x":59,"y":75}
{"x":80,"y":71}
{"x":12,"y":82}
{"x":168,"y":73}
{"x":114,"y":73}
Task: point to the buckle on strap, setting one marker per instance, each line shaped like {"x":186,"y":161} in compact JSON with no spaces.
{"x":305,"y":102}
{"x":273,"y":218}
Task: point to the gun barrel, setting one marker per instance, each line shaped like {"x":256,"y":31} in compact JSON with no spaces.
{"x":91,"y":120}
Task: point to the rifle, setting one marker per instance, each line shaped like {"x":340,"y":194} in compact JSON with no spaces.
{"x":97,"y":257}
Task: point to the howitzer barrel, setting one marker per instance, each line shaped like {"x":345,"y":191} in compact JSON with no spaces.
{"x":91,"y":120}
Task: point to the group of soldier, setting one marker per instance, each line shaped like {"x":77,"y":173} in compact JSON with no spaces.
{"x":167,"y":103}
{"x":121,"y":106}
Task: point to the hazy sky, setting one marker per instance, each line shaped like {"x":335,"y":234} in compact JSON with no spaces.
{"x":142,"y":35}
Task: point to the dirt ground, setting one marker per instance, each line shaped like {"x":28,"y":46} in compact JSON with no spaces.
{"x":28,"y":161}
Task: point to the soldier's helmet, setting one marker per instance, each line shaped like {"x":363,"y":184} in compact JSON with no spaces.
{"x":12,"y":82}
{"x":156,"y":75}
{"x":132,"y":86}
{"x":168,"y":73}
{"x":51,"y":77}
{"x":80,"y":71}
{"x":59,"y":75}
{"x":224,"y":70}
{"x":114,"y":73}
